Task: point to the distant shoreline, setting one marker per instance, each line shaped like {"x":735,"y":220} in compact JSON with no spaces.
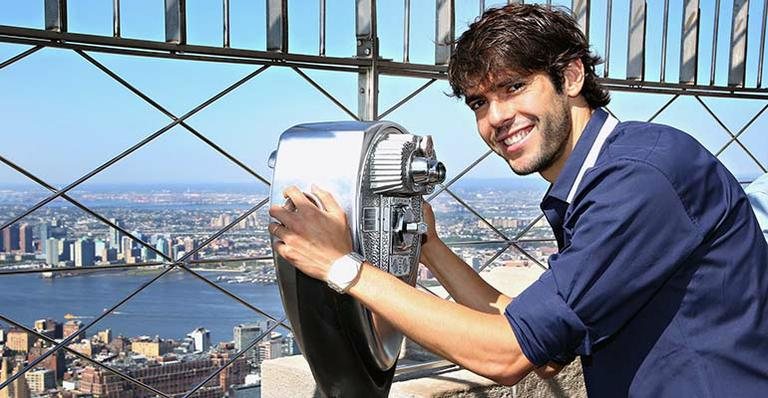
{"x":255,"y":186}
{"x":130,"y":271}
{"x":510,"y":182}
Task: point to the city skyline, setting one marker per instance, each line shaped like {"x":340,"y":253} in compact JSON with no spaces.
{"x":510,"y":210}
{"x":155,"y":218}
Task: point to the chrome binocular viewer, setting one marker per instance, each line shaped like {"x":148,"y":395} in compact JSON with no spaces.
{"x":378,"y":173}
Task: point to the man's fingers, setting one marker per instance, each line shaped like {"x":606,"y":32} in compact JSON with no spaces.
{"x":285,"y":234}
{"x":289,"y":205}
{"x":327,"y":199}
{"x":277,"y":230}
{"x":295,"y":195}
{"x":285,"y":251}
{"x":282,"y":214}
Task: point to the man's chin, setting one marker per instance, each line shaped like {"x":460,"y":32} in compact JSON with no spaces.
{"x":523,"y":170}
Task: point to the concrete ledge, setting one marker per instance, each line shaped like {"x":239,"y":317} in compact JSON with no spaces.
{"x":288,"y":377}
{"x":291,"y":377}
{"x":457,"y":383}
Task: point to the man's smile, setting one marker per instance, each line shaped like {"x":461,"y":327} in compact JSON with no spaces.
{"x":515,"y":139}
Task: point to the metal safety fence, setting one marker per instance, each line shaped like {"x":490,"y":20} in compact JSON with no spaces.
{"x":693,"y":27}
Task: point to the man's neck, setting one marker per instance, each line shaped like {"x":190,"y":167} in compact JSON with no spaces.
{"x":580,"y":114}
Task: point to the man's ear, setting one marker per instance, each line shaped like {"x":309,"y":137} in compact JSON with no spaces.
{"x":573,"y":78}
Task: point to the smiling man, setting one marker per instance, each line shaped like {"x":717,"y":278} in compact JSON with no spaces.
{"x":661,"y":281}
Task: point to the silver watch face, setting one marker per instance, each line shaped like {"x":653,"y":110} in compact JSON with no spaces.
{"x":343,"y":271}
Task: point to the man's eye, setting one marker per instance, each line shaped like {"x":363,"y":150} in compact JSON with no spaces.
{"x":475,"y":105}
{"x":514,"y":87}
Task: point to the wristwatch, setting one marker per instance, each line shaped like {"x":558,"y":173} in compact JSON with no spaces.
{"x":344,"y":272}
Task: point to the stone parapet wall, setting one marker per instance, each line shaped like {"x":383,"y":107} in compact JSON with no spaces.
{"x":291,"y":377}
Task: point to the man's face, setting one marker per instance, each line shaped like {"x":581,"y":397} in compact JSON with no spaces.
{"x":523,"y":119}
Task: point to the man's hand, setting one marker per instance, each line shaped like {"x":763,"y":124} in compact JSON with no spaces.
{"x":309,"y":237}
{"x":431,"y":240}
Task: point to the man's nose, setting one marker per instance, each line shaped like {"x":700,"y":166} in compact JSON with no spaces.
{"x":499,"y":113}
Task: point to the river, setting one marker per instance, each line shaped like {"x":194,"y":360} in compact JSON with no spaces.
{"x":171,"y":307}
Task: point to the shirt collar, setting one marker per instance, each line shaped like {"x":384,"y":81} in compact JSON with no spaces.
{"x":562,"y":185}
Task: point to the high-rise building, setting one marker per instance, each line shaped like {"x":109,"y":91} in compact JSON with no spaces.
{"x":85,"y":253}
{"x":40,"y":325}
{"x":5,"y":373}
{"x":11,"y":238}
{"x":119,"y":344}
{"x":147,"y":254}
{"x":19,"y":389}
{"x":101,"y":383}
{"x":40,"y":380}
{"x":111,"y":254}
{"x":163,"y":246}
{"x":54,"y":362}
{"x":46,"y":327}
{"x":202,"y":339}
{"x":73,"y":326}
{"x":178,"y":252}
{"x":115,"y":236}
{"x":151,"y":348}
{"x":271,"y":348}
{"x":19,"y":340}
{"x":289,"y":345}
{"x":86,"y":347}
{"x":25,"y":238}
{"x":51,"y":252}
{"x":244,"y":335}
{"x":65,"y":250}
{"x":100,"y":247}
{"x":189,"y":245}
{"x":43,"y":235}
{"x":126,"y":246}
{"x":105,"y":336}
{"x":235,"y":373}
{"x":221,"y":221}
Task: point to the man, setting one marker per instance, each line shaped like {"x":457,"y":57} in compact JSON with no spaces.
{"x":659,"y":284}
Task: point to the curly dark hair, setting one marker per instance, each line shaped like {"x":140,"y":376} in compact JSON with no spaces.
{"x":524,"y":38}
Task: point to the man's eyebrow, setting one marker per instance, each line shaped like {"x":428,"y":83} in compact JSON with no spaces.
{"x":506,"y":81}
{"x":473,"y":97}
{"x":498,"y":84}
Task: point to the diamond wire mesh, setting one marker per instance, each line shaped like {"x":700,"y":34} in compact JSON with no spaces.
{"x":507,"y":241}
{"x":168,"y":262}
{"x":181,"y":263}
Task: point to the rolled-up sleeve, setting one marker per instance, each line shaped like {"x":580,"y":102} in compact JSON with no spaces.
{"x":629,"y":232}
{"x":757,"y":192}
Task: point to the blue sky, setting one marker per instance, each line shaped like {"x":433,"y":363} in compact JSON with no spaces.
{"x":62,"y":117}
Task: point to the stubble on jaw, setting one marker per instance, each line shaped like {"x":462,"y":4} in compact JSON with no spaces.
{"x":554,"y":128}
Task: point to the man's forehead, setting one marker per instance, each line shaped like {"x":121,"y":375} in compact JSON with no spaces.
{"x":491,"y":81}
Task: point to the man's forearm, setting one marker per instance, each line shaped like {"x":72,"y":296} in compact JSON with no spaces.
{"x":462,"y":282}
{"x":479,"y":341}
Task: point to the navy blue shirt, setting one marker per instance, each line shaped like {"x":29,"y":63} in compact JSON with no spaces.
{"x":660,"y":283}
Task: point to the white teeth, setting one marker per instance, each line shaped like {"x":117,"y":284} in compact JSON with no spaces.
{"x":517,"y":137}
